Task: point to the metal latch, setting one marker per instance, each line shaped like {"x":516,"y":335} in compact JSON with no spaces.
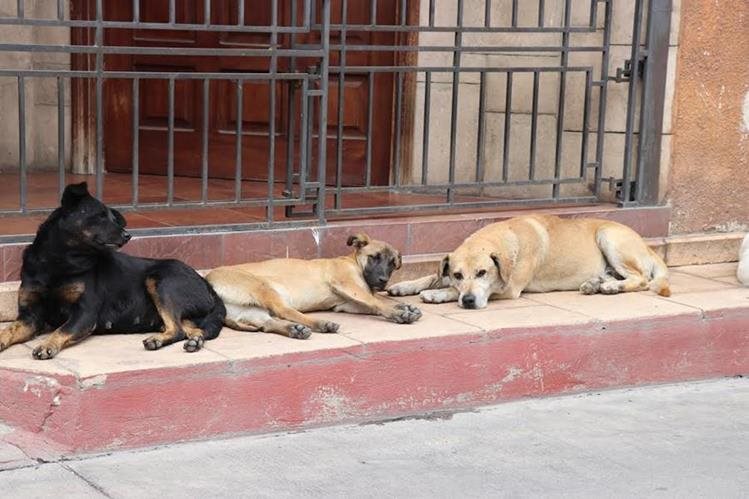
{"x":625,"y":74}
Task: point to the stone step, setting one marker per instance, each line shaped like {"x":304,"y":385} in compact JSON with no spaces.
{"x":108,"y":392}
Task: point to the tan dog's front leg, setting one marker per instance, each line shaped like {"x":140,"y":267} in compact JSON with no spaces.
{"x":414,"y":287}
{"x":443,"y":295}
{"x":401,"y":313}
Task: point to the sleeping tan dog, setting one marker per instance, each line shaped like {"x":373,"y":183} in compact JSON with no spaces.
{"x":539,"y":253}
{"x":271,"y":296}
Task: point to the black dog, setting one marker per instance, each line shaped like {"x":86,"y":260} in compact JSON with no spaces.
{"x":74,"y":282}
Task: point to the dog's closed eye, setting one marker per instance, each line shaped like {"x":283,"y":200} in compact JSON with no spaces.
{"x":458,"y":276}
{"x":481,"y":273}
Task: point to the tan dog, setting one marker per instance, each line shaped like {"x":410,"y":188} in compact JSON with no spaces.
{"x":271,"y":296}
{"x":540,"y":253}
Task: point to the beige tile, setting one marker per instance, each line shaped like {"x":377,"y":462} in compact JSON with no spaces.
{"x":238,"y":345}
{"x":614,"y":307}
{"x":714,"y":300}
{"x":710,"y":271}
{"x":103,"y":354}
{"x":731,"y":280}
{"x":371,"y":329}
{"x":18,"y":357}
{"x":686,"y":283}
{"x":540,"y":316}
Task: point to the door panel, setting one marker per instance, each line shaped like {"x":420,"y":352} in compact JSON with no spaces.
{"x":188,"y":97}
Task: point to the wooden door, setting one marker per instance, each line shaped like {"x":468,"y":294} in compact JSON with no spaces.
{"x":255,"y":115}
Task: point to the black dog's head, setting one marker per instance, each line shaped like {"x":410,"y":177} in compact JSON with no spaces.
{"x":378,"y":260}
{"x":88,"y":224}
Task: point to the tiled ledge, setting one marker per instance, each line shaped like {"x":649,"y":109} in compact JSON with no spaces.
{"x":108,"y":392}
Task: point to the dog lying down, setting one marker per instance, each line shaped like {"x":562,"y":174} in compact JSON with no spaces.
{"x":742,"y":272}
{"x":540,"y":253}
{"x":272,"y":296}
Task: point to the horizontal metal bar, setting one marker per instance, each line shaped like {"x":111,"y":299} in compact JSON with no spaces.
{"x":171,"y":51}
{"x":14,"y":21}
{"x":157,"y":75}
{"x":451,"y":69}
{"x":469,"y":48}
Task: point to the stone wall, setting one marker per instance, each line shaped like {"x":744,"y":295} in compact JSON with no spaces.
{"x":709,"y":178}
{"x":41,"y":93}
{"x":520,"y":124}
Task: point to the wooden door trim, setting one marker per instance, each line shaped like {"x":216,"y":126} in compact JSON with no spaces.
{"x":83,"y":92}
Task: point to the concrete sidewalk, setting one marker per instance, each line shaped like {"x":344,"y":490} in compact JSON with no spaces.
{"x":689,"y":440}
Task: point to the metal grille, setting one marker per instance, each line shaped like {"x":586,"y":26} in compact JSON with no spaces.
{"x":491,"y":103}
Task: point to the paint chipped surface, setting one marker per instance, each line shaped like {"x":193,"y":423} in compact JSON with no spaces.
{"x":40,"y":384}
{"x":93,"y":382}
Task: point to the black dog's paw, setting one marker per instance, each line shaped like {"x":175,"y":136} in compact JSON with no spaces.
{"x":328,"y":327}
{"x":194,"y":344}
{"x":405,"y":314}
{"x":45,"y":352}
{"x":299,"y":332}
{"x":152,"y":343}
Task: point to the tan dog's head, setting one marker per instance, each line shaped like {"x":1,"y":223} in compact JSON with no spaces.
{"x":476,"y":275}
{"x":377,"y":259}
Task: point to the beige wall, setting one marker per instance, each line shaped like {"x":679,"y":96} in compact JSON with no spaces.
{"x":709,"y":176}
{"x":441,"y":95}
{"x":41,"y":93}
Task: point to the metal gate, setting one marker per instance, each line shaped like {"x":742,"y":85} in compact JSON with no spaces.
{"x":494,"y":103}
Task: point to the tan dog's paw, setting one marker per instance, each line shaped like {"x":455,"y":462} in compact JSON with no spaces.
{"x":437,"y":295}
{"x":401,"y":289}
{"x":611,"y":288}
{"x":591,"y":287}
{"x":328,"y":327}
{"x":299,"y":331}
{"x":405,"y":314}
{"x":45,"y":352}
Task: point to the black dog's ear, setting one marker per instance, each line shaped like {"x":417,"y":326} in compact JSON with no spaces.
{"x":73,"y":193}
{"x":118,"y":218}
{"x":445,"y":267}
{"x":358,"y":240}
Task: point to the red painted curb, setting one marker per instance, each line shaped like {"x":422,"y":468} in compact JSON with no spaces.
{"x":370,"y":382}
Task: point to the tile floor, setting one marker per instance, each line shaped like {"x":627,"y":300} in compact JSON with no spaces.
{"x":696,"y":290}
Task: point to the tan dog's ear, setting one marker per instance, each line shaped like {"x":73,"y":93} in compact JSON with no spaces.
{"x":398,"y":261}
{"x":504,"y":265}
{"x":445,"y":267}
{"x":358,"y":240}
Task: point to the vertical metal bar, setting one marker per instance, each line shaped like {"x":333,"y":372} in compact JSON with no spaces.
{"x":398,"y":128}
{"x":272,"y":113}
{"x":22,"y":174}
{"x":291,"y":114}
{"x":20,"y":9}
{"x":170,"y":147}
{"x":534,"y":126}
{"x":136,"y":141}
{"x":240,"y":12}
{"x":481,"y":139}
{"x":136,"y":11}
{"x":541,"y":13}
{"x":631,"y":102}
{"x":60,"y":10}
{"x":514,"y":13}
{"x":323,"y":118}
{"x":584,"y":138}
{"x":370,"y":100}
{"x":60,"y":134}
{"x":205,"y":150}
{"x":603,"y":91}
{"x":172,"y":12}
{"x":561,"y":105}
{"x":99,"y":43}
{"x":455,"y":99}
{"x":207,"y":12}
{"x":304,"y":133}
{"x":653,"y":98}
{"x":425,"y":139}
{"x":431,"y":13}
{"x":238,"y":149}
{"x":373,"y":12}
{"x":341,"y":103}
{"x":508,"y":128}
{"x":593,"y":14}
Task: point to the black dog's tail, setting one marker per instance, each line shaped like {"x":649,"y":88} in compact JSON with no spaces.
{"x":214,"y":320}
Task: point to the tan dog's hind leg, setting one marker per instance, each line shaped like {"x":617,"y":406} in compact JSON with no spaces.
{"x":401,"y":313}
{"x":259,"y":319}
{"x":625,"y":254}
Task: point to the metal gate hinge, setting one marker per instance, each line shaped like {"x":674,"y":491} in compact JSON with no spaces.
{"x":624,"y":74}
{"x":616,"y":186}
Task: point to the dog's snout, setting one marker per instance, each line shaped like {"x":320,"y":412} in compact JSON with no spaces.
{"x":382,"y":281}
{"x":469,"y":301}
{"x":126,"y":235}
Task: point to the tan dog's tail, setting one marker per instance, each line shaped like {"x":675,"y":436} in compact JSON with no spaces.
{"x":659,"y":283}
